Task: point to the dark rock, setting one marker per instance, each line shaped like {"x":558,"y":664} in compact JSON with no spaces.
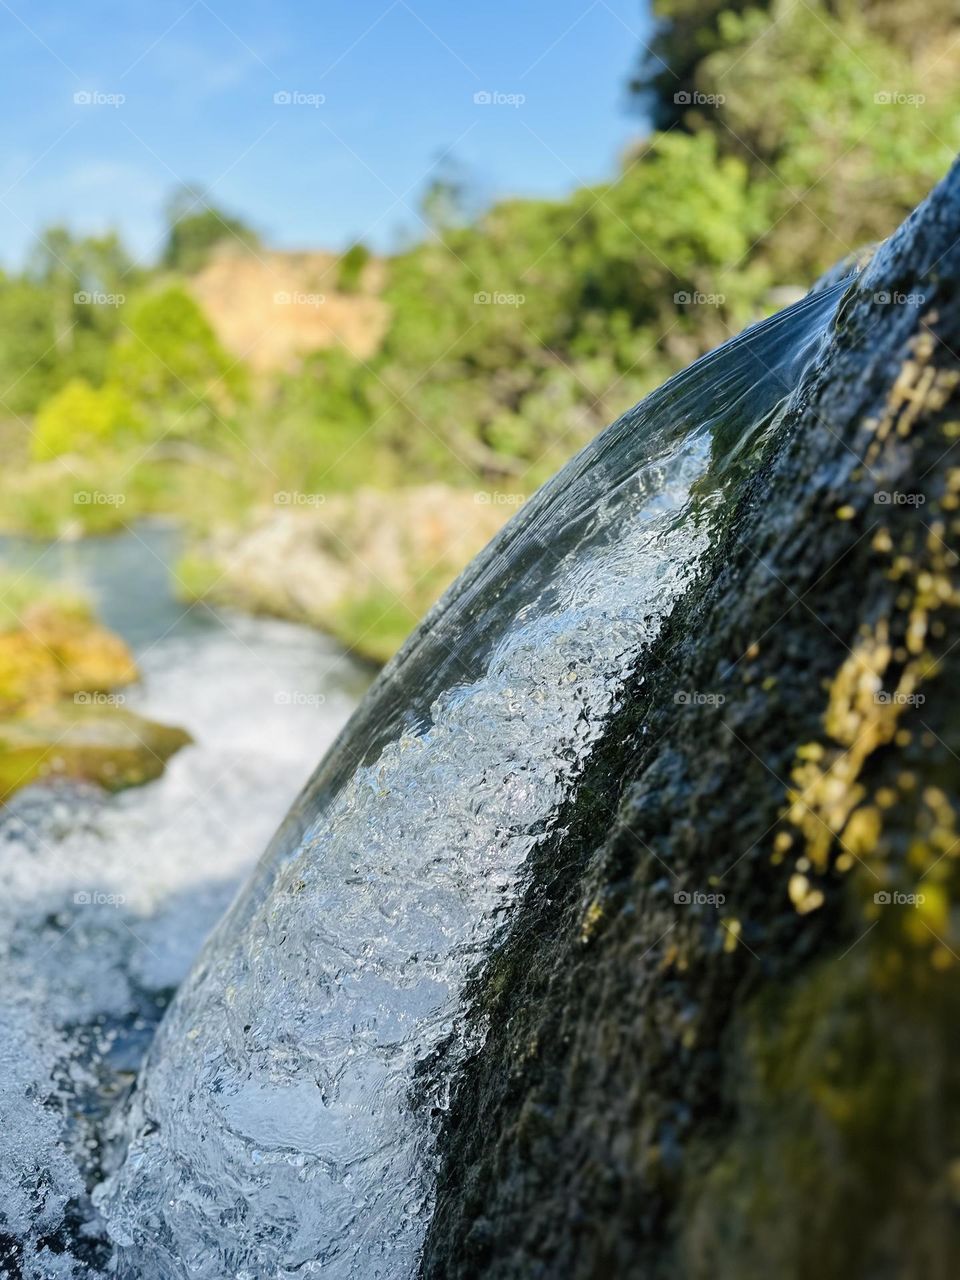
{"x":766,"y":1086}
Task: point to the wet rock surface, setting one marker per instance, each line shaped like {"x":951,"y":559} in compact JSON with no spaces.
{"x":87,"y":741}
{"x":718,"y":1036}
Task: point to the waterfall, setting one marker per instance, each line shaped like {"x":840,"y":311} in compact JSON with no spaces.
{"x":285,"y":1120}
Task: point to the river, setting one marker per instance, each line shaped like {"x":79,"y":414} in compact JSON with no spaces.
{"x":107,"y":898}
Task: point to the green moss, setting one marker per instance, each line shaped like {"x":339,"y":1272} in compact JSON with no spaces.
{"x":89,"y":741}
{"x":373,"y":625}
{"x":839,"y":1081}
{"x":196,"y":575}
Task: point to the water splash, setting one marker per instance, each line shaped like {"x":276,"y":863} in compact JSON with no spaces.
{"x":107,"y":899}
{"x":285,"y":1121}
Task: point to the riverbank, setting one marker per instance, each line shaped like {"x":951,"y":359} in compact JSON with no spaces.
{"x":364,"y":567}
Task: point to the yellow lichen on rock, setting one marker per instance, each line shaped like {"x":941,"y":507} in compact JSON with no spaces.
{"x":591,"y":918}
{"x":859,"y":718}
{"x":919,"y":387}
{"x":829,"y":803}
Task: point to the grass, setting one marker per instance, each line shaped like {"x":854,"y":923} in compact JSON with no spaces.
{"x":373,"y":625}
{"x":19,"y":591}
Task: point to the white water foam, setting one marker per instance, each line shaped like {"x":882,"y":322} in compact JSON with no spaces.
{"x":107,"y":900}
{"x":274,"y":1134}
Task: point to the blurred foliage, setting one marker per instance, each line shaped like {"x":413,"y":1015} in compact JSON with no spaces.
{"x":685,"y":32}
{"x":351,"y":267}
{"x":785,"y":135}
{"x":886,"y":126}
{"x":60,"y":317}
{"x":165,"y":374}
{"x":22,"y":591}
{"x":169,"y":361}
{"x":195,"y":228}
{"x":80,"y":416}
{"x":688,"y":32}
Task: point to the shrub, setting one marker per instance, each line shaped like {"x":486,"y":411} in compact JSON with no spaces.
{"x":79,"y":416}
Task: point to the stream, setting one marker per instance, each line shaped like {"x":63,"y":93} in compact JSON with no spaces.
{"x":107,"y":898}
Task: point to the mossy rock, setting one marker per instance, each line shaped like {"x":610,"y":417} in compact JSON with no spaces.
{"x":56,"y":651}
{"x":667,"y":1090}
{"x":843,"y":1145}
{"x":89,"y":657}
{"x":87,"y":741}
{"x":29,"y":672}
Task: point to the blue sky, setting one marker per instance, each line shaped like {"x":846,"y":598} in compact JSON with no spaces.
{"x":184,"y":90}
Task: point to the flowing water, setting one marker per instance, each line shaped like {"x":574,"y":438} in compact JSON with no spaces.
{"x":285,"y":1122}
{"x":107,"y":899}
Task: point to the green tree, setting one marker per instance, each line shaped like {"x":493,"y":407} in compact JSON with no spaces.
{"x":844,"y":115}
{"x":79,"y":417}
{"x":351,"y":267}
{"x":450,"y":198}
{"x":171,"y":366}
{"x":686,"y":33}
{"x":95,"y":264}
{"x":195,"y":228}
{"x":28,"y":354}
{"x":886,"y":128}
{"x":84,"y":281}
